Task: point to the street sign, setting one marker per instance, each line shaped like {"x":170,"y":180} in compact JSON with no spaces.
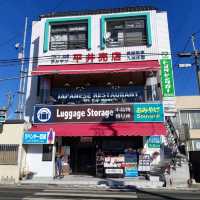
{"x":185,"y":65}
{"x":2,"y":116}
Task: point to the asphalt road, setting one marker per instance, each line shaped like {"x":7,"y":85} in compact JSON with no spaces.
{"x":55,"y":192}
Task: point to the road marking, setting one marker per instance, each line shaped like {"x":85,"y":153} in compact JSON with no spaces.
{"x":119,"y":196}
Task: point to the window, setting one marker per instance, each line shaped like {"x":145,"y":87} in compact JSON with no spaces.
{"x":126,"y":32}
{"x":9,"y":154}
{"x":195,"y":119}
{"x":192,"y":118}
{"x":47,"y":152}
{"x":69,"y":36}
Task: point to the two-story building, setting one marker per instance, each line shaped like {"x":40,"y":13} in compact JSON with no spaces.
{"x":98,"y":82}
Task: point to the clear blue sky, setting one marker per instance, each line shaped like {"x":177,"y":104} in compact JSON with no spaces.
{"x":183,"y":17}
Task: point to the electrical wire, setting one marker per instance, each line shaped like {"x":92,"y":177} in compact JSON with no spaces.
{"x":30,"y":60}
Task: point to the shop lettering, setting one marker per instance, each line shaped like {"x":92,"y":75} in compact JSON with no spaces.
{"x":135,"y":55}
{"x":69,"y":115}
{"x":167,"y":77}
{"x":101,"y":57}
{"x":148,"y":116}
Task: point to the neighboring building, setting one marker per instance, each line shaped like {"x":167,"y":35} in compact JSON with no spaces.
{"x":187,"y":122}
{"x":97,"y":85}
{"x":11,"y":151}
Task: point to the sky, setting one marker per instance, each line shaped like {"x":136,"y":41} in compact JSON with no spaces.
{"x":183,"y":19}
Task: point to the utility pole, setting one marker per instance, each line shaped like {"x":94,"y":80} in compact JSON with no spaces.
{"x":21,"y":93}
{"x":195,"y":54}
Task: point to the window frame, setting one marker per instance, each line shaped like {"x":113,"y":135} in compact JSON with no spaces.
{"x":49,"y":22}
{"x":124,"y":29}
{"x":47,"y":156}
{"x":122,"y":16}
{"x":189,"y":118}
{"x":67,"y":33}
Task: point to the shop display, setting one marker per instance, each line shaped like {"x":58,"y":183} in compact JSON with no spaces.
{"x":144,"y":163}
{"x":131,"y":164}
{"x":114,"y":166}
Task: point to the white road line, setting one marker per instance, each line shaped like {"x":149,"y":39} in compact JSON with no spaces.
{"x":33,"y":198}
{"x":86,"y":195}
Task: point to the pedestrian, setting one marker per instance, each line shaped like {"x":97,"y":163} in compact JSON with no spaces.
{"x":58,"y":166}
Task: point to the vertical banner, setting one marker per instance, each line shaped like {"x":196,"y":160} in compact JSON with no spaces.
{"x":167,"y":78}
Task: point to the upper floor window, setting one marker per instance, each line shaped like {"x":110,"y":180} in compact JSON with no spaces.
{"x":126,"y":32}
{"x":69,"y":35}
{"x":192,"y":118}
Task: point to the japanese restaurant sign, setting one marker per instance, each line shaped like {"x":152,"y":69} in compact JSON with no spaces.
{"x":148,"y":112}
{"x":167,"y":77}
{"x":99,"y":95}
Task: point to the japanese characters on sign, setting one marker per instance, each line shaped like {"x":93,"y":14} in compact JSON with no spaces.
{"x":154,"y":142}
{"x":101,"y":57}
{"x":167,"y":78}
{"x":39,"y":137}
{"x":146,"y":112}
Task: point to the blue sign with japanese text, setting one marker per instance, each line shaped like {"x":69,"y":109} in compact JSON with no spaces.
{"x":39,"y":137}
{"x":148,"y":112}
{"x":154,"y":142}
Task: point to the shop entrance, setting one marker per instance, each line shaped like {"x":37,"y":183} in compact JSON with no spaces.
{"x":85,"y":154}
{"x":81,"y":154}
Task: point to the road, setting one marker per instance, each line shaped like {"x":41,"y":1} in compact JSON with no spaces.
{"x":54,"y":192}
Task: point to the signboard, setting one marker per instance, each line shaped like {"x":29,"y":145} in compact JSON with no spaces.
{"x":99,"y":95}
{"x":2,"y":116}
{"x":144,"y":163}
{"x":106,"y":113}
{"x":39,"y":137}
{"x":114,"y":171}
{"x":148,"y":112}
{"x":131,"y":164}
{"x":101,"y":57}
{"x":154,"y":142}
{"x":167,"y":77}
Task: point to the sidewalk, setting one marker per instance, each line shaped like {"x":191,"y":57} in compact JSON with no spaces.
{"x":89,"y":181}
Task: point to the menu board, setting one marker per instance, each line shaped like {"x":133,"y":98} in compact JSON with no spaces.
{"x":144,"y":163}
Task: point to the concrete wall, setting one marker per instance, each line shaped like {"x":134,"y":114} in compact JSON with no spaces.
{"x":11,"y":134}
{"x":36,"y":165}
{"x":194,"y":133}
{"x":188,"y":102}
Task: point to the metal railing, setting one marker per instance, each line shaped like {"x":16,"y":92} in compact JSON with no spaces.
{"x":9,"y":154}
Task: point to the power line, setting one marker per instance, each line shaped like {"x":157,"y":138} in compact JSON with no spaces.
{"x":46,"y":58}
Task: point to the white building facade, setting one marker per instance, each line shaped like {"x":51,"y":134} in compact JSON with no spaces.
{"x":101,"y":81}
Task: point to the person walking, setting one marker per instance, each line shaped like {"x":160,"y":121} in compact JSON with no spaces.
{"x":58,"y":166}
